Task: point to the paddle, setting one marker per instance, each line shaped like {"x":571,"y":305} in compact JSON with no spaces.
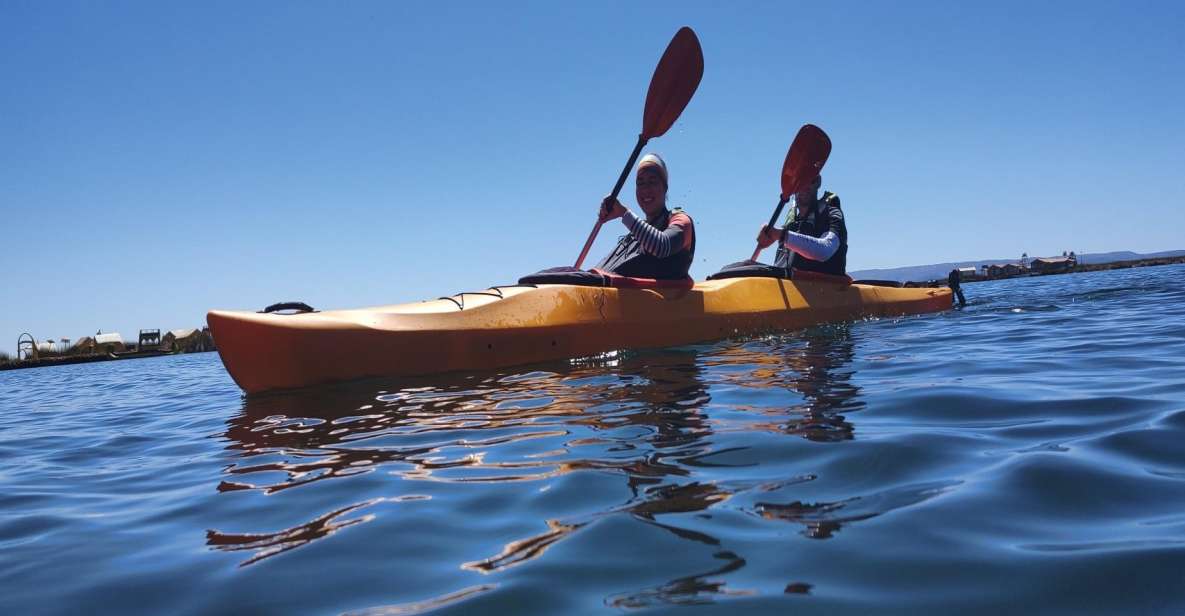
{"x":671,"y":87}
{"x":804,"y":161}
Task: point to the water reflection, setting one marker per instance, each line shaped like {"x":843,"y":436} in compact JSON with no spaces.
{"x":695,"y":589}
{"x":522,"y":550}
{"x":270,"y":544}
{"x":644,"y":416}
{"x":814,"y":364}
{"x":639,"y":417}
{"x":652,"y":412}
{"x":822,"y":520}
{"x":824,"y":378}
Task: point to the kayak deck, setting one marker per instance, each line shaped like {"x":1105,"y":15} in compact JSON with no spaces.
{"x":522,"y":324}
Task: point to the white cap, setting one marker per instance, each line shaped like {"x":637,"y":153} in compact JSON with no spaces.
{"x":654,"y":160}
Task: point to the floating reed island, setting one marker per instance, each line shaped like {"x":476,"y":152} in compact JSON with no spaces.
{"x":105,"y":347}
{"x":1043,"y":266}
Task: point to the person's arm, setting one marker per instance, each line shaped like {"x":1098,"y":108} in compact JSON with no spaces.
{"x":661,"y":244}
{"x":813,"y":248}
{"x":818,"y":248}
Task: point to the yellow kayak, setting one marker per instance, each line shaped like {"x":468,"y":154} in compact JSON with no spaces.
{"x":523,"y":324}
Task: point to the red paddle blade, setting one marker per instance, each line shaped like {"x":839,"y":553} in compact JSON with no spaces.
{"x":674,"y":82}
{"x":805,"y":159}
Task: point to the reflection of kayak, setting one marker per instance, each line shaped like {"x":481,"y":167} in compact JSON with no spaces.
{"x":521,"y":324}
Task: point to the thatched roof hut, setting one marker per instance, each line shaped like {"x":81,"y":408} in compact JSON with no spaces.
{"x":109,"y":343}
{"x":83,"y":346}
{"x":187,"y":340}
{"x":1051,"y":264}
{"x":178,"y":339}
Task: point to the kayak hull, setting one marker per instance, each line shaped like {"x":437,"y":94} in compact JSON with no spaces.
{"x":515,"y":325}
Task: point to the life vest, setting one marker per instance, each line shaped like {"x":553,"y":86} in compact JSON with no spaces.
{"x":628,"y":258}
{"x":816,"y":224}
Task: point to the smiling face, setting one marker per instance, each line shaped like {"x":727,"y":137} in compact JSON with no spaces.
{"x":651,"y":191}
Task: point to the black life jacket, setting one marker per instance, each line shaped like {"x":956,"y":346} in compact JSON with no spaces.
{"x":628,"y":258}
{"x":816,"y":224}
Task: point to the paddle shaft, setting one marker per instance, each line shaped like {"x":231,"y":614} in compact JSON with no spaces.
{"x":773,"y":220}
{"x":616,"y":191}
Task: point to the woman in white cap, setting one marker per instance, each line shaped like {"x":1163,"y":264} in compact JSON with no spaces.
{"x":660,"y":246}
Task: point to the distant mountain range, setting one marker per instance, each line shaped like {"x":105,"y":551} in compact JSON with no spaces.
{"x":938,"y":271}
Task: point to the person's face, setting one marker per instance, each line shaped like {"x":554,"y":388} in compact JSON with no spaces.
{"x":651,"y":192}
{"x":807,"y":195}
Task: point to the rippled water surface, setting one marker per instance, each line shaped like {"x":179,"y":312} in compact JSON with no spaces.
{"x":1024,"y":454}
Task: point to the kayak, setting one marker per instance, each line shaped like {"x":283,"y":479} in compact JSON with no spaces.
{"x":513,"y":325}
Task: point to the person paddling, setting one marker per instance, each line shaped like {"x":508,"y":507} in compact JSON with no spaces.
{"x":662,"y":245}
{"x":815,"y":238}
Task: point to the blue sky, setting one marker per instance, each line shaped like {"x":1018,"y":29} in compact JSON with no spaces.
{"x":161,"y":159}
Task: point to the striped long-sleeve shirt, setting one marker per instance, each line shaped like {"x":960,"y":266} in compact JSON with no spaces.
{"x":677,"y":236}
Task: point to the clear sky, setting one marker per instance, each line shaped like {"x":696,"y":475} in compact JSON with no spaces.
{"x":158,"y":159}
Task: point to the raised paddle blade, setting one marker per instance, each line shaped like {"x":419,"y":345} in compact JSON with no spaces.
{"x":674,"y":83}
{"x":805,"y":159}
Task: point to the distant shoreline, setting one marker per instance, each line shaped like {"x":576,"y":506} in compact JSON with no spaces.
{"x":936,"y":271}
{"x":1077,"y":269}
{"x":66,"y":360}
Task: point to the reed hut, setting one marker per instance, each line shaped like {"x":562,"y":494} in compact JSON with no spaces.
{"x":83,"y":346}
{"x":188,"y":340}
{"x":1006,"y":270}
{"x":109,"y":343}
{"x":1051,"y":265}
{"x":181,"y":340}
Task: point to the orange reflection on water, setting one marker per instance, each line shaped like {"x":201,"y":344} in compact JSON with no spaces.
{"x":270,"y":544}
{"x":518,"y":552}
{"x":645,"y":418}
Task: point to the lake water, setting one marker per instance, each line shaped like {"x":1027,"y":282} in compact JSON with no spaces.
{"x":1026,"y":454}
